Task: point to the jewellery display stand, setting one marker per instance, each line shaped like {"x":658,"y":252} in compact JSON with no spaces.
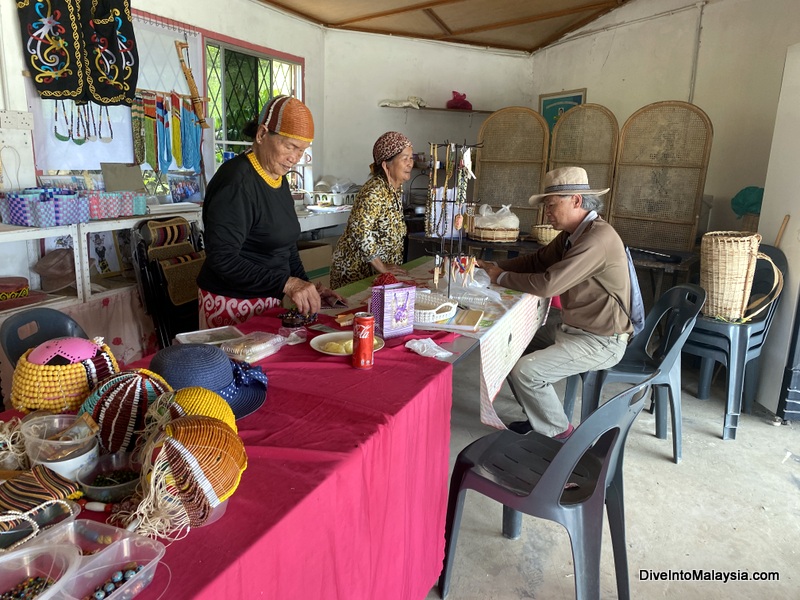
{"x":445,"y":211}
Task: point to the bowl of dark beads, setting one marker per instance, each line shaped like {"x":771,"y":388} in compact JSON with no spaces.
{"x":292,"y":318}
{"x":112,"y":478}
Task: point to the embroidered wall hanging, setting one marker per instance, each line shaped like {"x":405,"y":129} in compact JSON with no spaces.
{"x":80,"y":50}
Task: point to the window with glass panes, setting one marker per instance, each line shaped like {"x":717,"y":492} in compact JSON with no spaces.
{"x":240,"y":83}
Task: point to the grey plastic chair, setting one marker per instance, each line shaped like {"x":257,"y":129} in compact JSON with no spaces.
{"x":736,"y":345}
{"x":25,"y":330}
{"x":568,"y":483}
{"x":656,"y":348}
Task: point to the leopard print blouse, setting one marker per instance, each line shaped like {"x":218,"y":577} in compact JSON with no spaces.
{"x":375,"y":228}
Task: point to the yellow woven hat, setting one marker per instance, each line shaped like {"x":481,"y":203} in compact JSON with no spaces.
{"x":189,"y":401}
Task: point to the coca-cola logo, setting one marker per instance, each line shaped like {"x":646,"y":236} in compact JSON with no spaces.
{"x":361,"y":331}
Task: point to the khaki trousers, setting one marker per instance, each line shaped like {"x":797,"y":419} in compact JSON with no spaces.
{"x":559,"y":351}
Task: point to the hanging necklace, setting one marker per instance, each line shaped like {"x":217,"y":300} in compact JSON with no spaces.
{"x":91,"y":126}
{"x":61,"y":137}
{"x":106,"y":139}
{"x":79,"y":136}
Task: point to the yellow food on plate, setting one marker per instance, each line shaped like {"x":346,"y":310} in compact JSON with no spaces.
{"x":336,"y":348}
{"x":345,"y":347}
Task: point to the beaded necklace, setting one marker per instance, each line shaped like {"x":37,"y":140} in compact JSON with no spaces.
{"x":273,"y":183}
{"x":79,"y":135}
{"x":105,"y":139}
{"x":59,"y":136}
{"x":91,"y":125}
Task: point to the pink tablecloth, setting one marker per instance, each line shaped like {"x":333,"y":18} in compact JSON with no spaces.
{"x":345,"y":491}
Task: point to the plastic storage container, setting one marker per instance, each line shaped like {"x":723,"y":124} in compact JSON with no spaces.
{"x":107,"y":465}
{"x":117,"y":557}
{"x":91,"y":537}
{"x":58,"y":563}
{"x":40,"y":449}
{"x":49,"y":518}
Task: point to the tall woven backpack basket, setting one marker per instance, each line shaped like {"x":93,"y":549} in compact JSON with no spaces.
{"x":727,"y":266}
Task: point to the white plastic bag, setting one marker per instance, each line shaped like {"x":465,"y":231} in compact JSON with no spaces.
{"x":502,"y":219}
{"x":427,"y":347}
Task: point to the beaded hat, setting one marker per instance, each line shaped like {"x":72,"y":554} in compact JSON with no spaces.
{"x":191,"y":401}
{"x":244,"y":387}
{"x":288,"y":116}
{"x":388,"y":145}
{"x":69,"y":369}
{"x":118,"y":405}
{"x":191,"y":466}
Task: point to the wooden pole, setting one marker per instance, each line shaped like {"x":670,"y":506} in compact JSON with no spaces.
{"x":777,"y":243}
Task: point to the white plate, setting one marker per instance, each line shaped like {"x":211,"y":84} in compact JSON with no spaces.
{"x":328,"y":209}
{"x":339,"y":337}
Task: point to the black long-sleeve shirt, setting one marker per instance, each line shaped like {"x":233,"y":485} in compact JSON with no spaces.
{"x":250,"y":233}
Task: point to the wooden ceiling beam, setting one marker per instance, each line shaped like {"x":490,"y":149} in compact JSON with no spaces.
{"x":565,"y":30}
{"x":596,"y":9}
{"x":424,"y":6}
{"x":439,"y":23}
{"x":287,"y":8}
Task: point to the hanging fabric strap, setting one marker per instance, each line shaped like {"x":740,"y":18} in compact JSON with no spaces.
{"x":150,"y":136}
{"x":164,"y":135}
{"x":137,"y":128}
{"x":175,"y":128}
{"x":191,"y":134}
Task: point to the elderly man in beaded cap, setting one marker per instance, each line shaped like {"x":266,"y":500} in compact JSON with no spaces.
{"x":587,"y":266}
{"x":251,"y":227}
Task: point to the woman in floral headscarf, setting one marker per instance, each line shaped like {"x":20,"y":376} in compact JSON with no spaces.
{"x":372,"y":241}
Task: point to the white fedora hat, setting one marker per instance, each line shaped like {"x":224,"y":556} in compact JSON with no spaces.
{"x":565,"y":181}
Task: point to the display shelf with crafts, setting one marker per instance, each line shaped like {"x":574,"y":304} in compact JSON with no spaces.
{"x":92,"y":285}
{"x":24,"y":244}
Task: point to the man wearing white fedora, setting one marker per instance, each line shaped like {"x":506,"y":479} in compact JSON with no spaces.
{"x":586,"y":265}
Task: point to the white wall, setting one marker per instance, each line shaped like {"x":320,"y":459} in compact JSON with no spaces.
{"x":633,"y":57}
{"x":780,"y":199}
{"x":363,"y":69}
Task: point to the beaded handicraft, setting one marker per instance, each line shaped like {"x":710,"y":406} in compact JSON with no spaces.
{"x":191,"y":466}
{"x":57,"y":386}
{"x":118,"y":405}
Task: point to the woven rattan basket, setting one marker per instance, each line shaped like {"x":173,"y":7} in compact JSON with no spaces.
{"x":727,"y":266}
{"x":484,"y":234}
{"x":544,"y":233}
{"x":430,"y":310}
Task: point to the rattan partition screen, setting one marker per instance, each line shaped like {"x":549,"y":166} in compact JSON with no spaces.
{"x":586,"y":136}
{"x":511,"y":161}
{"x":660,"y":175}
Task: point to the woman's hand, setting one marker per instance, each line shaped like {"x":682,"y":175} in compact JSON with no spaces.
{"x":304,"y":294}
{"x":396,"y":270}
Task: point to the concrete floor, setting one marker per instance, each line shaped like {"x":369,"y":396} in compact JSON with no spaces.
{"x":728,"y":506}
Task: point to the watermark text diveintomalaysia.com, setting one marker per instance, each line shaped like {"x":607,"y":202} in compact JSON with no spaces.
{"x":708,"y":575}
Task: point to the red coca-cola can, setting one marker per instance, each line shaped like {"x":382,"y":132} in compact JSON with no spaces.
{"x":363,"y":340}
